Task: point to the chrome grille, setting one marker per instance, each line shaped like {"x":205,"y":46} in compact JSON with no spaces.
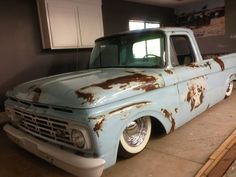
{"x":44,"y":127}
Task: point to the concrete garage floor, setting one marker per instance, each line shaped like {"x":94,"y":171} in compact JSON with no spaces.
{"x":179,"y":154}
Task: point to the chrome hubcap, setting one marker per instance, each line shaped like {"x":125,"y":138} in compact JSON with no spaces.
{"x":135,"y":132}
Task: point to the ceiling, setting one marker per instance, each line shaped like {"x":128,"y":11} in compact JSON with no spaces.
{"x":166,"y":3}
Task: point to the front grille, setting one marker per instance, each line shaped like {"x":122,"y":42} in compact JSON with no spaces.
{"x":44,"y":127}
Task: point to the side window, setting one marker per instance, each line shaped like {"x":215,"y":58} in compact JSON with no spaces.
{"x":109,"y":54}
{"x":181,"y":50}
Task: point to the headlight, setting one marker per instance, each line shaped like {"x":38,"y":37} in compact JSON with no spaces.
{"x":78,"y":138}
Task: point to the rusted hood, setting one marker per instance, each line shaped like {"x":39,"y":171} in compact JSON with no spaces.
{"x":89,"y":88}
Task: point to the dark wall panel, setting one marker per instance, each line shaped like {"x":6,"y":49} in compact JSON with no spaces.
{"x":116,"y":15}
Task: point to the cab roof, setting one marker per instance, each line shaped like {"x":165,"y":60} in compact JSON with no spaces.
{"x":150,"y":30}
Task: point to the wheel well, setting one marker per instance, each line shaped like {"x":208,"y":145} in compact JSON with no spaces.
{"x":157,"y":128}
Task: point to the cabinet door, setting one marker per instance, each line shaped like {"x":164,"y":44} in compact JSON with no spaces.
{"x":90,"y":22}
{"x":63,"y":24}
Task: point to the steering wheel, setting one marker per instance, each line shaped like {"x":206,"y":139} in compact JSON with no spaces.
{"x":158,"y":59}
{"x":150,"y":55}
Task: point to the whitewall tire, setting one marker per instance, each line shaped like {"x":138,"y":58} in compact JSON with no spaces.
{"x":135,"y":137}
{"x":229,"y":89}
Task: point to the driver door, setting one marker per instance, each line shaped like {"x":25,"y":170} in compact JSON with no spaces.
{"x":192,"y":82}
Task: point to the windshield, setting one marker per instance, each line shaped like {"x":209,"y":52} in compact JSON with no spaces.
{"x":143,"y":50}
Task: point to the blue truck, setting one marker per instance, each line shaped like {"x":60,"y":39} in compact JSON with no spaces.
{"x":81,"y":121}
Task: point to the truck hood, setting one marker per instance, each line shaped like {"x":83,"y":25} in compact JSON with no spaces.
{"x":90,"y":88}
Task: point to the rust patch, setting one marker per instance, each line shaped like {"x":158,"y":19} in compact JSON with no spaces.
{"x":169,"y":116}
{"x":124,"y":81}
{"x":147,"y":83}
{"x":200,"y":90}
{"x":147,"y":87}
{"x":137,"y":105}
{"x":220,"y":62}
{"x":98,"y":126}
{"x":123,"y":87}
{"x":195,"y":96}
{"x":193,"y":65}
{"x":96,"y":118}
{"x":86,"y":96}
{"x":176,"y":110}
{"x":166,"y":113}
{"x":168,"y":71}
{"x":207,"y":64}
{"x":37,"y":93}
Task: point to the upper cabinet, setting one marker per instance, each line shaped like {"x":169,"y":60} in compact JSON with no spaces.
{"x":70,"y":23}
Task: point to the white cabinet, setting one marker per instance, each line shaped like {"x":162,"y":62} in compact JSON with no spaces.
{"x":63,"y":25}
{"x":90,"y":23}
{"x":70,"y":23}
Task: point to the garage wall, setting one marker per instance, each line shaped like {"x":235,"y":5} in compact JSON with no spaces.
{"x":225,"y":43}
{"x":21,"y":55}
{"x":116,"y":15}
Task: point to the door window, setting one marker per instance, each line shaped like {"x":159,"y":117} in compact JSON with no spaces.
{"x":181,"y":50}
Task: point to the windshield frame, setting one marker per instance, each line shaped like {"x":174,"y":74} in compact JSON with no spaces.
{"x":134,"y":33}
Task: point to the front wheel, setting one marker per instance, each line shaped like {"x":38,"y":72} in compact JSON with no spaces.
{"x":135,"y":137}
{"x":229,"y":89}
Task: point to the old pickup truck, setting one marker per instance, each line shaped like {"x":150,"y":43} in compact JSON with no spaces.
{"x":81,"y":121}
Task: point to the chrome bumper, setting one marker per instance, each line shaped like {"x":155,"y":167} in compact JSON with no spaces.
{"x":72,"y":163}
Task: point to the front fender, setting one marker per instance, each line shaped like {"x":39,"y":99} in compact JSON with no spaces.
{"x":152,"y":113}
{"x":113,"y":127}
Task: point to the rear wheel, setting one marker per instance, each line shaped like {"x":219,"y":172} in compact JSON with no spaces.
{"x":229,"y":89}
{"x":135,"y":137}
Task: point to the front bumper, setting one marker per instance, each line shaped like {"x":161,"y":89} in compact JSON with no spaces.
{"x":72,"y":163}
